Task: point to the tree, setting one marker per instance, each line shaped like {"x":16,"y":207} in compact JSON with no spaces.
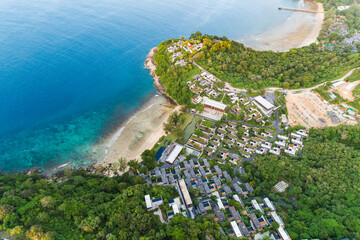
{"x":275,"y":225}
{"x":5,"y":210}
{"x":134,"y":164}
{"x":122,"y":164}
{"x":149,"y":160}
{"x":47,"y":202}
{"x":208,"y":123}
{"x":220,"y":84}
{"x":199,"y":108}
{"x":198,"y":132}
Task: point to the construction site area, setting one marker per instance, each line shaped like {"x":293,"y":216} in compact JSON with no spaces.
{"x":310,"y":110}
{"x":345,"y":89}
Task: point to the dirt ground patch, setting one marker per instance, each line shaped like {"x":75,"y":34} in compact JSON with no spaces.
{"x":310,"y":110}
{"x":345,"y":90}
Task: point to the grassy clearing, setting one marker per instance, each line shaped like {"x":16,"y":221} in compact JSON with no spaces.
{"x":356,"y":91}
{"x":188,"y":117}
{"x":355,"y":104}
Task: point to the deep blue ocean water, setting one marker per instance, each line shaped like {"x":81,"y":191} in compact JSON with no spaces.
{"x":70,"y":71}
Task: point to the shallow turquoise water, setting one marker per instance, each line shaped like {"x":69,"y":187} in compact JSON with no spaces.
{"x":72,"y":71}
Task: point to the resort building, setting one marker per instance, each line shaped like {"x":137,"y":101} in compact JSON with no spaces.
{"x":152,"y":204}
{"x":236,"y":229}
{"x":175,"y":151}
{"x":214,"y":105}
{"x":269,"y":204}
{"x":184,"y":193}
{"x":264,"y":103}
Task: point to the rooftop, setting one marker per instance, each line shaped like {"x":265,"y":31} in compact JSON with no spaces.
{"x":214,"y":103}
{"x":174,"y":153}
{"x":264,"y":102}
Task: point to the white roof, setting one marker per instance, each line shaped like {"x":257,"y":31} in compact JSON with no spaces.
{"x":221,"y":205}
{"x":283,"y":234}
{"x":236,"y":229}
{"x":236,"y":197}
{"x":283,"y":137}
{"x":348,"y":87}
{"x":337,"y":84}
{"x":174,"y":153}
{"x":264,"y":102}
{"x":269,"y":204}
{"x":148,"y":201}
{"x":175,"y":208}
{"x":276,"y":218}
{"x":296,"y":135}
{"x":214,"y":103}
{"x":256,"y":205}
{"x":185,"y":192}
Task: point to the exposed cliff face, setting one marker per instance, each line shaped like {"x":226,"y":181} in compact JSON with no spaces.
{"x":151,"y":65}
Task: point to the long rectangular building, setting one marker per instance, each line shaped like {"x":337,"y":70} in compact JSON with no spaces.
{"x":264,"y":103}
{"x":184,"y":193}
{"x":177,"y":148}
{"x":214,"y":105}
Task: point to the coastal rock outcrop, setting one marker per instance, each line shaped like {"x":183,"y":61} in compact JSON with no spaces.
{"x":151,"y":65}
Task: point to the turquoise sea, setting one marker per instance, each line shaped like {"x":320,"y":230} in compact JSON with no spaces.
{"x":72,"y":71}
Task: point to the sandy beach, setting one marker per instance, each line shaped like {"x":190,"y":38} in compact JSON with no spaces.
{"x":140,"y":132}
{"x":301,"y":29}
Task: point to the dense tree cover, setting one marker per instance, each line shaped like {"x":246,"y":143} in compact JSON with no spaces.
{"x":324,"y":184}
{"x":244,"y":67}
{"x":173,"y":77}
{"x":89,"y":207}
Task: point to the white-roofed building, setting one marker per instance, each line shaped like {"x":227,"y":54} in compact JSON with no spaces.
{"x":283,"y":234}
{"x":277,"y":219}
{"x":264,"y":103}
{"x":220,"y":203}
{"x":269,"y":204}
{"x":256,"y":205}
{"x":334,"y":85}
{"x":148,"y":202}
{"x":175,"y":208}
{"x":236,"y":229}
{"x":214,"y":105}
{"x":177,"y":148}
{"x":237,"y":198}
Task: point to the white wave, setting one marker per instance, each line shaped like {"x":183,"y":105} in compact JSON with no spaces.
{"x":119,"y":132}
{"x":63,"y":165}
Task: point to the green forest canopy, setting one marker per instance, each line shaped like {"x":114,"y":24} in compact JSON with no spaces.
{"x":324,"y":181}
{"x":247,"y":68}
{"x":90,"y":207}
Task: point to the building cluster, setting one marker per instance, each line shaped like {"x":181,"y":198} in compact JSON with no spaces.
{"x":337,"y":113}
{"x":203,"y":85}
{"x":342,"y":8}
{"x":338,"y":27}
{"x":188,"y":46}
{"x":291,"y":144}
{"x":218,"y":189}
{"x":341,"y":28}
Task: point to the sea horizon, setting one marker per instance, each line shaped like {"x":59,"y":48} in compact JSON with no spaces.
{"x":64,"y":88}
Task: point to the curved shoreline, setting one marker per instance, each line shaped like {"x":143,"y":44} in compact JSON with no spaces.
{"x":151,"y":65}
{"x":301,"y":29}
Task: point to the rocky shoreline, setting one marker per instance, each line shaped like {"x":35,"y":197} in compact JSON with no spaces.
{"x":151,"y":65}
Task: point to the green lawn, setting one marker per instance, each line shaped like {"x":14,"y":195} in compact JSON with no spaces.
{"x":171,"y":137}
{"x":355,"y":104}
{"x":356,"y":91}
